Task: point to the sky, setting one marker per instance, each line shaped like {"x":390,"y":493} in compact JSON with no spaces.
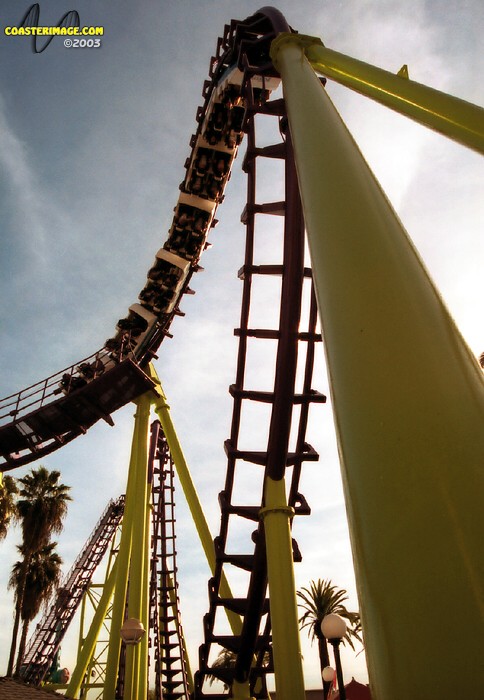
{"x":92,"y":148}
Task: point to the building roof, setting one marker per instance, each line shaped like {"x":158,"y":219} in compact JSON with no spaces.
{"x":11,"y":689}
{"x":310,"y":695}
{"x":355,"y":691}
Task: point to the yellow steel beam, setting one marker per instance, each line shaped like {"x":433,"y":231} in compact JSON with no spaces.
{"x":408,"y":401}
{"x":132,"y":524}
{"x":282,"y":592}
{"x":137,"y":654}
{"x":241,"y":691}
{"x":459,"y":120}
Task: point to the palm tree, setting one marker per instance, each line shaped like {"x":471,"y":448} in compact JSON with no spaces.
{"x":225,"y":659}
{"x":319,"y":600}
{"x":8,"y":490}
{"x":41,"y":508}
{"x":41,"y":579}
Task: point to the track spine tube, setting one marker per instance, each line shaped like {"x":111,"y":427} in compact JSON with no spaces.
{"x":408,"y":399}
{"x":290,"y":317}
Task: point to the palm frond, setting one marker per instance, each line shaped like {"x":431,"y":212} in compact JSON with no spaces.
{"x":322,"y":598}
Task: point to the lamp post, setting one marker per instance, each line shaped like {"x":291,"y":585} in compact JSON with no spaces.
{"x":328,"y":673}
{"x":132,"y":631}
{"x":333,"y":628}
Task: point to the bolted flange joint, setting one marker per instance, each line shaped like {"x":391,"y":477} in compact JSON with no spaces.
{"x":288,"y":510}
{"x":286,"y":38}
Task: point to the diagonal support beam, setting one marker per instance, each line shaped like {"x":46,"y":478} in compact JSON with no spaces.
{"x":458,"y":119}
{"x":89,"y":643}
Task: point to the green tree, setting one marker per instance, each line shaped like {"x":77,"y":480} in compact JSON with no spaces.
{"x":8,"y":491}
{"x":317,"y":601}
{"x":41,"y":508}
{"x":41,"y":579}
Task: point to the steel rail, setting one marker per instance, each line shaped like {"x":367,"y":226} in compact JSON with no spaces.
{"x":253,"y":647}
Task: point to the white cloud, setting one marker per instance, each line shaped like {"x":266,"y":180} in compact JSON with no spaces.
{"x":27,"y":203}
{"x":32,"y":207}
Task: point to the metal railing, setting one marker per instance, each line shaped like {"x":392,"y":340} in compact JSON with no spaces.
{"x":15,"y":406}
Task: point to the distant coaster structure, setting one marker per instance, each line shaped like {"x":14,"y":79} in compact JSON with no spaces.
{"x":407,"y":433}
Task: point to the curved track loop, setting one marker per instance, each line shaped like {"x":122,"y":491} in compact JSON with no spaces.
{"x":44,"y":417}
{"x":252,"y":648}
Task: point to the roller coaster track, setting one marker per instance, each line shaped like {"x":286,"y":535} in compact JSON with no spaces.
{"x":254,"y":641}
{"x":45,"y":416}
{"x":167,"y":644}
{"x":50,"y":632}
{"x":167,"y":640}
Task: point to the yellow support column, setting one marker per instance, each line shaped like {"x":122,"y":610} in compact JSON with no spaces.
{"x":133,"y":522}
{"x":282,"y":592}
{"x":137,"y":654}
{"x":408,"y":402}
{"x":145,"y":607}
{"x":241,"y":691}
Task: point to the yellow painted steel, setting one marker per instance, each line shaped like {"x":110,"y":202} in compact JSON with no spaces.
{"x":119,"y":601}
{"x":145,"y":607}
{"x":282,"y":592}
{"x":408,"y":401}
{"x":137,"y":654}
{"x":459,"y":120}
{"x":241,"y":691}
{"x":89,"y":643}
{"x":130,"y":533}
